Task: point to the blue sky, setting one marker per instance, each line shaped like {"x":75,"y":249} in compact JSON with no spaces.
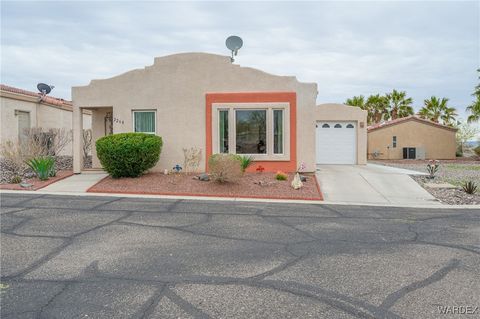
{"x":349,"y":48}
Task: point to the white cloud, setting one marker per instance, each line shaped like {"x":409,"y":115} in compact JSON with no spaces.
{"x":348,"y":48}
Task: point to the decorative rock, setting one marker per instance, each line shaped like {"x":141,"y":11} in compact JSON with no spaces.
{"x":203,"y":177}
{"x":25,"y":185}
{"x":303,"y":178}
{"x":297,"y":183}
{"x":29,"y":175}
{"x":264,"y":183}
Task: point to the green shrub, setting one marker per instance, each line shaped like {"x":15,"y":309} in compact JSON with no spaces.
{"x":245,"y":161}
{"x":128,"y":154}
{"x":281,"y":176}
{"x":225,"y":168}
{"x":469,"y":187}
{"x":42,"y":166}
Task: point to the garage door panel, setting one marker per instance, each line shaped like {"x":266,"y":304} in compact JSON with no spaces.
{"x":336,"y":145}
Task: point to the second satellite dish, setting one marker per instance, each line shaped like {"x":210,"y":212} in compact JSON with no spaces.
{"x":234,"y":43}
{"x":44,"y":88}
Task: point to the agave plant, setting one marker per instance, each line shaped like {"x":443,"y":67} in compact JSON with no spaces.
{"x":245,"y":161}
{"x":432,"y":168}
{"x":470,"y":187}
{"x":53,"y":170}
{"x":42,"y":166}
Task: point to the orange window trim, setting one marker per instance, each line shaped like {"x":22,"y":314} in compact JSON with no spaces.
{"x":257,"y":97}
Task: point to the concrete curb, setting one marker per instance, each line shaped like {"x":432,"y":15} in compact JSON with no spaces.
{"x":436,"y":205}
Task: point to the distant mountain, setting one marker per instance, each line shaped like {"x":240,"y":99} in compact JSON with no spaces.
{"x":472,"y":144}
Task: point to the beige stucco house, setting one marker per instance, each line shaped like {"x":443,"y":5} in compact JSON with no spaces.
{"x":21,"y":109}
{"x":411,"y":138}
{"x":203,"y":100}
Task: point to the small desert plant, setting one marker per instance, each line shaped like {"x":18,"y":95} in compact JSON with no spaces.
{"x":12,"y":153}
{"x":128,"y":154}
{"x":245,"y":161}
{"x":42,"y":166}
{"x":301,"y":167}
{"x":53,"y":170}
{"x":281,"y":176}
{"x":432,"y":168}
{"x":16,"y":179}
{"x":45,"y":142}
{"x":224,"y":168}
{"x":470,"y":187}
{"x":192,"y":157}
{"x":87,"y":143}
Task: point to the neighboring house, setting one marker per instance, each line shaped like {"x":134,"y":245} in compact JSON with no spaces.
{"x":411,"y":138}
{"x":21,"y":110}
{"x":203,"y":100}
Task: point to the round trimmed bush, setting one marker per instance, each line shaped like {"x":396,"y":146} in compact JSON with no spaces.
{"x":128,"y":154}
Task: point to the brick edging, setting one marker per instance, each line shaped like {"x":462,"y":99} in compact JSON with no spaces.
{"x":33,"y":188}
{"x":320,"y":195}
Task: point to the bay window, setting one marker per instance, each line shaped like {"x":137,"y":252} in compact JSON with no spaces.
{"x":257,"y":129}
{"x":251,"y":131}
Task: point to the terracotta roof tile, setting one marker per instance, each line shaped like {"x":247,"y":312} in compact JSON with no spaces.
{"x":47,"y":99}
{"x":405,"y":119}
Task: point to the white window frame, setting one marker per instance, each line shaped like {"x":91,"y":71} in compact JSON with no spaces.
{"x":273,"y":131}
{"x":232,"y":143}
{"x":144,"y":111}
{"x":218,"y":128}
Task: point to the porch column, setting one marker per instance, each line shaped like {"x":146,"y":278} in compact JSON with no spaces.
{"x":77,"y":144}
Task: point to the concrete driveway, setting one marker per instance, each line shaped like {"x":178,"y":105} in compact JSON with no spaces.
{"x":107,"y":257}
{"x":371,"y":184}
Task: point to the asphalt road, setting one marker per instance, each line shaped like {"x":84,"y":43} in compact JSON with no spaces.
{"x":105,"y":257}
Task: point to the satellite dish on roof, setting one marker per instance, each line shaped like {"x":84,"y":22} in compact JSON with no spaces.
{"x":234,"y":43}
{"x":44,"y":88}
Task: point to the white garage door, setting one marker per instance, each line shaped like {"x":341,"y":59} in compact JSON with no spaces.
{"x":336,"y":143}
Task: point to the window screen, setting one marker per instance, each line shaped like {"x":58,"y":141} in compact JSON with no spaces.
{"x":278,"y":131}
{"x":144,"y":121}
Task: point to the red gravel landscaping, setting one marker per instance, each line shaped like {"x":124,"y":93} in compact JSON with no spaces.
{"x":184,"y":184}
{"x":36,"y":183}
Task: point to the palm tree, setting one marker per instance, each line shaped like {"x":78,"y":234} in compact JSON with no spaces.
{"x":449,"y":116}
{"x":474,"y":108}
{"x":358,"y":101}
{"x":436,"y":109}
{"x":423,"y":113}
{"x":399,"y":105}
{"x":378,"y":108}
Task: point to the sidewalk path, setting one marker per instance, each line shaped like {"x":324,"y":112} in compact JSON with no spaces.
{"x":76,"y":183}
